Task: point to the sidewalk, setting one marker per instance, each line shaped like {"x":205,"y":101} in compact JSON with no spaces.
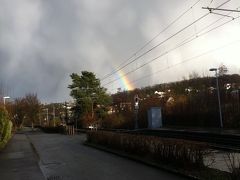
{"x":18,"y":160}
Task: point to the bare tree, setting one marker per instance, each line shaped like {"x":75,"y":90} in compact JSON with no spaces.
{"x":19,"y":111}
{"x":193,"y":75}
{"x":32,"y":107}
{"x":222,"y":70}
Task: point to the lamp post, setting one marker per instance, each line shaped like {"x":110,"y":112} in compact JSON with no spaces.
{"x":4,"y":99}
{"x":46,"y":109}
{"x":218,"y":94}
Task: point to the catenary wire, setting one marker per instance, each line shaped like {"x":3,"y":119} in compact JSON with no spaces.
{"x":186,"y":60}
{"x":181,"y":44}
{"x":162,"y":42}
{"x":151,"y":40}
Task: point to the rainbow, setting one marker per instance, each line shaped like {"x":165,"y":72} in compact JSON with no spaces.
{"x":125,"y":81}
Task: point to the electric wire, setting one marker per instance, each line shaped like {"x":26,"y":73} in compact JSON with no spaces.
{"x":151,"y":40}
{"x":211,"y":24}
{"x":186,"y":60}
{"x":181,"y":44}
{"x":162,"y":42}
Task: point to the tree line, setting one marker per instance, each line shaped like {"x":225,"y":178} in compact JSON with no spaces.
{"x":190,"y":102}
{"x":24,"y":110}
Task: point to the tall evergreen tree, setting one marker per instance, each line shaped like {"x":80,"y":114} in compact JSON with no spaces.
{"x":90,"y":98}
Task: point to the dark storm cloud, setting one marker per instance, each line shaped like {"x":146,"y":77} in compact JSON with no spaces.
{"x":43,"y":41}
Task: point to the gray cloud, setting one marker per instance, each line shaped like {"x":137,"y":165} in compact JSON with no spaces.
{"x":42,"y":42}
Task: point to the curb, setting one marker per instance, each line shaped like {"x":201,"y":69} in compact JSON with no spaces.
{"x":37,"y":155}
{"x":137,"y":159}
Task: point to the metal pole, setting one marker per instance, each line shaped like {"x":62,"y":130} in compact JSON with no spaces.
{"x":219,"y":102}
{"x":218,"y":9}
{"x":136,"y":107}
{"x":47,"y":117}
{"x":136,"y":119}
{"x":76,"y":122}
{"x":54,"y":116}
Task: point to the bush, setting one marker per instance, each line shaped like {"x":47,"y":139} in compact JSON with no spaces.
{"x":124,"y":119}
{"x":180,"y":152}
{"x":53,"y":130}
{"x":232,"y":161}
{"x":5,"y":128}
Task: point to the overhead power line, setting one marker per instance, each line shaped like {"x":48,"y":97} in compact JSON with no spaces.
{"x":163,"y":54}
{"x":162,"y":42}
{"x":206,"y":27}
{"x":151,"y":40}
{"x":154,"y":47}
{"x":186,"y":60}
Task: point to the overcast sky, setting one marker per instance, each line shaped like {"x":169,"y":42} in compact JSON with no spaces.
{"x":43,"y":41}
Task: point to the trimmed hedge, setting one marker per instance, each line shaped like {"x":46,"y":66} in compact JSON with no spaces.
{"x":53,"y":130}
{"x":5,"y":128}
{"x":172,"y":151}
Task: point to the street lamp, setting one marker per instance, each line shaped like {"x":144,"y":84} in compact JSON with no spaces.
{"x":218,"y":94}
{"x":4,"y":99}
{"x":46,"y":109}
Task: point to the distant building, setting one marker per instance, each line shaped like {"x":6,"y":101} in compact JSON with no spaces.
{"x":160,"y":94}
{"x":126,"y":106}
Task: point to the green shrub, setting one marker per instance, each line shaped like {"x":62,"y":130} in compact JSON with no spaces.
{"x":57,"y":129}
{"x":5,"y":127}
{"x":172,"y":151}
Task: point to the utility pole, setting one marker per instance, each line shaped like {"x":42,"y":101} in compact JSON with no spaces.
{"x":219,"y":101}
{"x":47,"y":116}
{"x":218,"y":95}
{"x":136,"y":108}
{"x":46,"y":119}
{"x":54,"y":116}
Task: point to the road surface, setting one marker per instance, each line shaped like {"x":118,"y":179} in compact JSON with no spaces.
{"x":62,"y":157}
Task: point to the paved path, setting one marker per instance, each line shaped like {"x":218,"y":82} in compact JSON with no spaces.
{"x":18,"y":161}
{"x":66,"y":158}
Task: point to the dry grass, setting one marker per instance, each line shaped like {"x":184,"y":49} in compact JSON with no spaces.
{"x":233,"y":163}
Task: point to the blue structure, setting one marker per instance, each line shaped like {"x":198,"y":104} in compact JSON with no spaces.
{"x":154,"y":118}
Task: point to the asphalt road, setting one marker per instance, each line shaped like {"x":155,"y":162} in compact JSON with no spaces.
{"x":65,"y":157}
{"x":62,"y":157}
